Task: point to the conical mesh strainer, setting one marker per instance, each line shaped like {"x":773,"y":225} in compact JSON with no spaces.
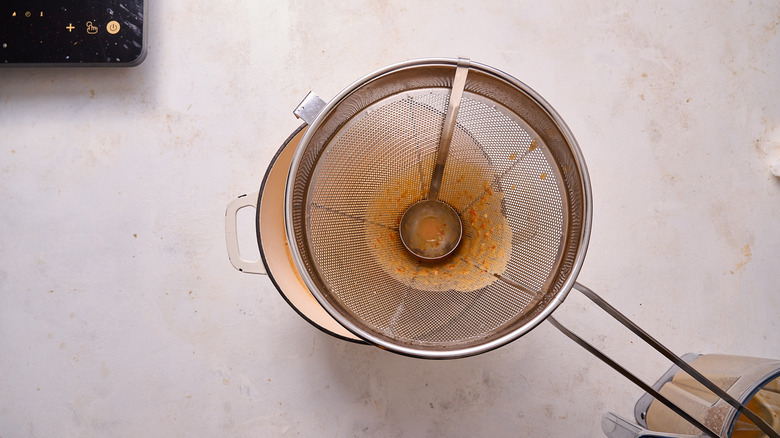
{"x":516,"y":179}
{"x":513,"y":174}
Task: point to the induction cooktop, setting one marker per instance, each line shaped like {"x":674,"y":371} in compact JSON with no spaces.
{"x":72,"y":32}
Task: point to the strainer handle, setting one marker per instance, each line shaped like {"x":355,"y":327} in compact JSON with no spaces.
{"x":677,"y":360}
{"x":634,"y":379}
{"x":231,"y":235}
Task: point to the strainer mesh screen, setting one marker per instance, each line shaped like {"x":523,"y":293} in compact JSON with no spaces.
{"x":498,"y":177}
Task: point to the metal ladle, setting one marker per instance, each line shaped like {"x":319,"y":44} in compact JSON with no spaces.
{"x":431,"y":229}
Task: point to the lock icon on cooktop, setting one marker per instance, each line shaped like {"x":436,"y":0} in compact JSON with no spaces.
{"x":91,"y":29}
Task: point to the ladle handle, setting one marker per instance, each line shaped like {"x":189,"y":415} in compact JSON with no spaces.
{"x":758,"y":421}
{"x":453,"y":106}
{"x":231,"y":235}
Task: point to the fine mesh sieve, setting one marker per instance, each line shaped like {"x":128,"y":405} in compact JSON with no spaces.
{"x":515,"y":176}
{"x":513,"y":173}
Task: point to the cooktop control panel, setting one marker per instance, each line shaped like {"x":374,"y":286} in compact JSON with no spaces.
{"x":72,"y":32}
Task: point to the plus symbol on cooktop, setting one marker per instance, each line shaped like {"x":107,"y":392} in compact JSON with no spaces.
{"x":70,"y":27}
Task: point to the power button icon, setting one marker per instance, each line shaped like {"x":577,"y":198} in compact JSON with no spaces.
{"x":112,"y":27}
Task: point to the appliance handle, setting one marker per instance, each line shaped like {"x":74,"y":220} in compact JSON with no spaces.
{"x":231,"y":235}
{"x":615,"y":426}
{"x":758,"y":421}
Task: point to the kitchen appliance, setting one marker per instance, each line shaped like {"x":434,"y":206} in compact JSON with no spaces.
{"x":514,"y":174}
{"x":72,"y":33}
{"x":755,"y":382}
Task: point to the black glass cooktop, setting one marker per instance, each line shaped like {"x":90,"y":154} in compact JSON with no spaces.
{"x":72,"y":32}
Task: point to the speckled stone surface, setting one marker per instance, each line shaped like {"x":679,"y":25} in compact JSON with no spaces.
{"x":120,"y":314}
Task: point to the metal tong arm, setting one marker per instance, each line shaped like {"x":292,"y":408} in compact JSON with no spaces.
{"x":627,"y":374}
{"x":758,"y":421}
{"x":453,"y":106}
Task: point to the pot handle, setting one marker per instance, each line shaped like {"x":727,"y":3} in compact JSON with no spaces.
{"x":231,"y":235}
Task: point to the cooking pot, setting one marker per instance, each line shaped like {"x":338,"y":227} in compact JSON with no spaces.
{"x":275,"y":260}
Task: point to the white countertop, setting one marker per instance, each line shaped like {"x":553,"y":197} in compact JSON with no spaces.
{"x":121,"y":316}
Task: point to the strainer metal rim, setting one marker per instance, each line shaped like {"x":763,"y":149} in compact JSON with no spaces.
{"x":495,"y":343}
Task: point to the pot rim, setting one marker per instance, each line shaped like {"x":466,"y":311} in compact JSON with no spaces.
{"x":268,"y":269}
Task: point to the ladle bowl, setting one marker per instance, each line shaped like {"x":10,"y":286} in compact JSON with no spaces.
{"x":431,"y":229}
